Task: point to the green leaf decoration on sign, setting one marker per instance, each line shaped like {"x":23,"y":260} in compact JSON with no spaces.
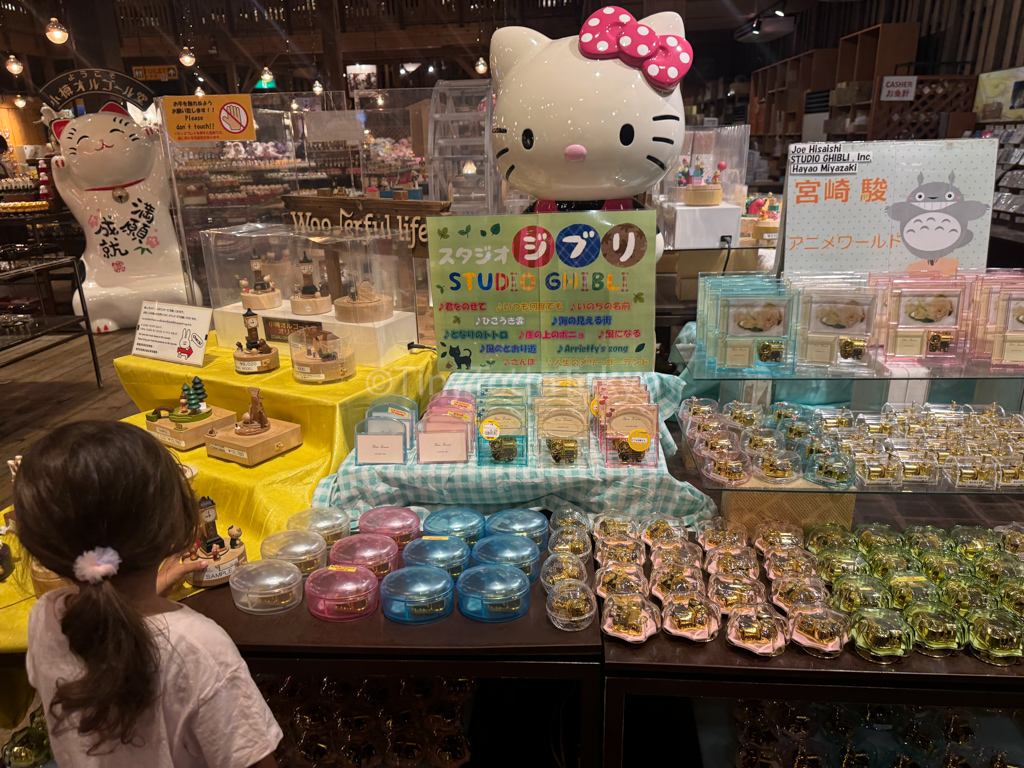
{"x":638,"y":297}
{"x":465,"y":232}
{"x":491,"y":362}
{"x":443,"y":355}
{"x":496,"y":229}
{"x":443,"y":233}
{"x":483,"y":233}
{"x":639,"y":347}
{"x":440,"y":288}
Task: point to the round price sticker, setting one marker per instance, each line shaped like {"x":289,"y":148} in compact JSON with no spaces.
{"x":489,"y":429}
{"x":639,"y":440}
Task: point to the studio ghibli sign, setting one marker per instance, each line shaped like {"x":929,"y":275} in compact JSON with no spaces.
{"x":544,"y":292}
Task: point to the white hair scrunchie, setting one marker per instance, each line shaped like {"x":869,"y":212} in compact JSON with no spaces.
{"x":98,"y":564}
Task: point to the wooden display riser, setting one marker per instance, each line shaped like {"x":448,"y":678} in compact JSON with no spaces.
{"x":267,"y":300}
{"x":311,"y":305}
{"x":260,"y":363}
{"x":322,"y":372}
{"x":359,"y":312}
{"x":250,"y":450}
{"x":185,"y":437}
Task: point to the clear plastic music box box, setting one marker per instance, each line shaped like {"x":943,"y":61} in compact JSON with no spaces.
{"x":348,"y":284}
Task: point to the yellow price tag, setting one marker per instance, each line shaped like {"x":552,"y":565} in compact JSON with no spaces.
{"x":489,"y":429}
{"x":435,"y":538}
{"x":344,"y":568}
{"x":639,"y":440}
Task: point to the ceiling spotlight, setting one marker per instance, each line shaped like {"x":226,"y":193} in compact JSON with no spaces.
{"x":317,"y":88}
{"x":56,"y":32}
{"x":187,"y":58}
{"x":781,"y":10}
{"x":294,"y":105}
{"x":13,"y":65}
{"x":200,"y":92}
{"x":481,"y":66}
{"x":401,"y":70}
{"x":756,"y":27}
{"x":430,"y":69}
{"x":411,"y":66}
{"x":19,"y":101}
{"x":266,"y":75}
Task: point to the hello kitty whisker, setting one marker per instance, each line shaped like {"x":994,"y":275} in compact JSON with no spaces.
{"x":664,"y":140}
{"x":657,"y":162}
{"x":502,"y":152}
{"x":666,"y":117}
{"x":509,"y":171}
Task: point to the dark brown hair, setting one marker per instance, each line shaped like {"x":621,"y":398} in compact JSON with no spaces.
{"x":104,"y":484}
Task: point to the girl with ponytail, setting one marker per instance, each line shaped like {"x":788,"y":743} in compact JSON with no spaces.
{"x":127,"y":677}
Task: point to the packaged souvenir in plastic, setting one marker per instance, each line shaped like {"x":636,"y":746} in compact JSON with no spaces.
{"x":730,"y":590}
{"x":570,"y":539}
{"x":620,"y":577}
{"x":691,"y":615}
{"x":560,"y":567}
{"x":675,"y":578}
{"x":620,"y":550}
{"x":787,"y":591}
{"x":873,"y":535}
{"x":818,"y":629}
{"x":939,"y":630}
{"x":836,"y":562}
{"x":571,"y":606}
{"x":881,"y":635}
{"x":995,"y":636}
{"x":887,"y":559}
{"x":966,"y":593}
{"x":629,"y":617}
{"x":829,"y":536}
{"x":739,"y":560}
{"x":719,"y":532}
{"x":789,"y":561}
{"x":757,"y":628}
{"x":854,"y":591}
{"x":631,"y":436}
{"x":662,"y":528}
{"x":616,"y":524}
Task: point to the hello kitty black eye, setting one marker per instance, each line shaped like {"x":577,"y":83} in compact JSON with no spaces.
{"x":626,"y":135}
{"x":527,"y":139}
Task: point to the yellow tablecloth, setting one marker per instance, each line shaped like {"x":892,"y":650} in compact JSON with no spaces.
{"x":258,"y":499}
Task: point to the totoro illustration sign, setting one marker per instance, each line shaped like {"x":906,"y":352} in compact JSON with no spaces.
{"x":889,"y":205}
{"x":539,"y":293}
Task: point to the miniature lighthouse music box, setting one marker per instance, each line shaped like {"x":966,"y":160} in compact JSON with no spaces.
{"x":256,"y":356}
{"x":309,"y":298}
{"x":183,"y":427}
{"x":263,"y":294}
{"x":255,"y":438}
{"x":223,"y":558}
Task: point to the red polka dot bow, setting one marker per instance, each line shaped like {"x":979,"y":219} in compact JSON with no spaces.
{"x":612,"y":32}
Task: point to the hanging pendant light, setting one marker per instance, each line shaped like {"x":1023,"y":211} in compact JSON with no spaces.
{"x":200,"y":91}
{"x":56,"y":32}
{"x":481,"y":66}
{"x":294,"y":105}
{"x":19,"y":101}
{"x":13,"y":65}
{"x":187,"y":58}
{"x":266,"y":76}
{"x":317,"y":88}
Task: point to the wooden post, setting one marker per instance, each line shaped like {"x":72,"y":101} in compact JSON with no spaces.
{"x":334,"y":68}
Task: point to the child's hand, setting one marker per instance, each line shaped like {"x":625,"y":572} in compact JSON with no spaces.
{"x":174,"y":569}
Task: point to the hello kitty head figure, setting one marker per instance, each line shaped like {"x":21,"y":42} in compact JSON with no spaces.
{"x":105,"y":149}
{"x":592,"y":117}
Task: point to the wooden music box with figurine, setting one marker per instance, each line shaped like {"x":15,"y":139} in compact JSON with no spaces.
{"x":365,"y":305}
{"x":222,"y":559}
{"x":263,"y":294}
{"x":183,"y":427}
{"x":255,"y":438}
{"x":256,"y":356}
{"x":309,"y":298}
{"x":701,"y":191}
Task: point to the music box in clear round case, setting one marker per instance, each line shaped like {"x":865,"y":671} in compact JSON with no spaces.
{"x":493,"y":593}
{"x":304,"y":549}
{"x":417,"y":594}
{"x":461,"y":522}
{"x":331,"y":523}
{"x":266,"y":586}
{"x":507,"y":549}
{"x":571,"y":606}
{"x":342,"y":593}
{"x":449,"y":553}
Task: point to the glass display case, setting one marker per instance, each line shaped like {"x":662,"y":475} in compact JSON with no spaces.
{"x":348,"y":285}
{"x":703,"y":198}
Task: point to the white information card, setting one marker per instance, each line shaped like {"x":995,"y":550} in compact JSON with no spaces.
{"x":172,"y":332}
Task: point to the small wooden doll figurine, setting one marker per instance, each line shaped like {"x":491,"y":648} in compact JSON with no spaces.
{"x":717,"y":178}
{"x":215,"y":551}
{"x":235,"y":534}
{"x":193,"y":551}
{"x":244,"y":284}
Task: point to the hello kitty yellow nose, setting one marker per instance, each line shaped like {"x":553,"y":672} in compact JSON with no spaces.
{"x":575,"y":153}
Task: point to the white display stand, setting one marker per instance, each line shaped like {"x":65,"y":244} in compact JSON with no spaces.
{"x":700,"y":226}
{"x":376,"y":344}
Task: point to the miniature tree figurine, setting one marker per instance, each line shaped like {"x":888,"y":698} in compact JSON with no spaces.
{"x":199,"y":388}
{"x":211,"y":540}
{"x":193,"y":403}
{"x":235,"y":536}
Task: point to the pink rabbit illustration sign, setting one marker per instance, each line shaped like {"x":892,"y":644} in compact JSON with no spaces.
{"x":108,"y":173}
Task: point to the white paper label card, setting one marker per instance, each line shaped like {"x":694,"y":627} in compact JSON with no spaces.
{"x":176,"y":333}
{"x":442,"y":448}
{"x":380,"y":449}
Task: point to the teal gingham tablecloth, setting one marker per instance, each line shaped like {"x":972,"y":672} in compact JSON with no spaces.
{"x":594,"y":489}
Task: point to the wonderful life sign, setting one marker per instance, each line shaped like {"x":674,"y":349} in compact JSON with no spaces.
{"x":558,"y":292}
